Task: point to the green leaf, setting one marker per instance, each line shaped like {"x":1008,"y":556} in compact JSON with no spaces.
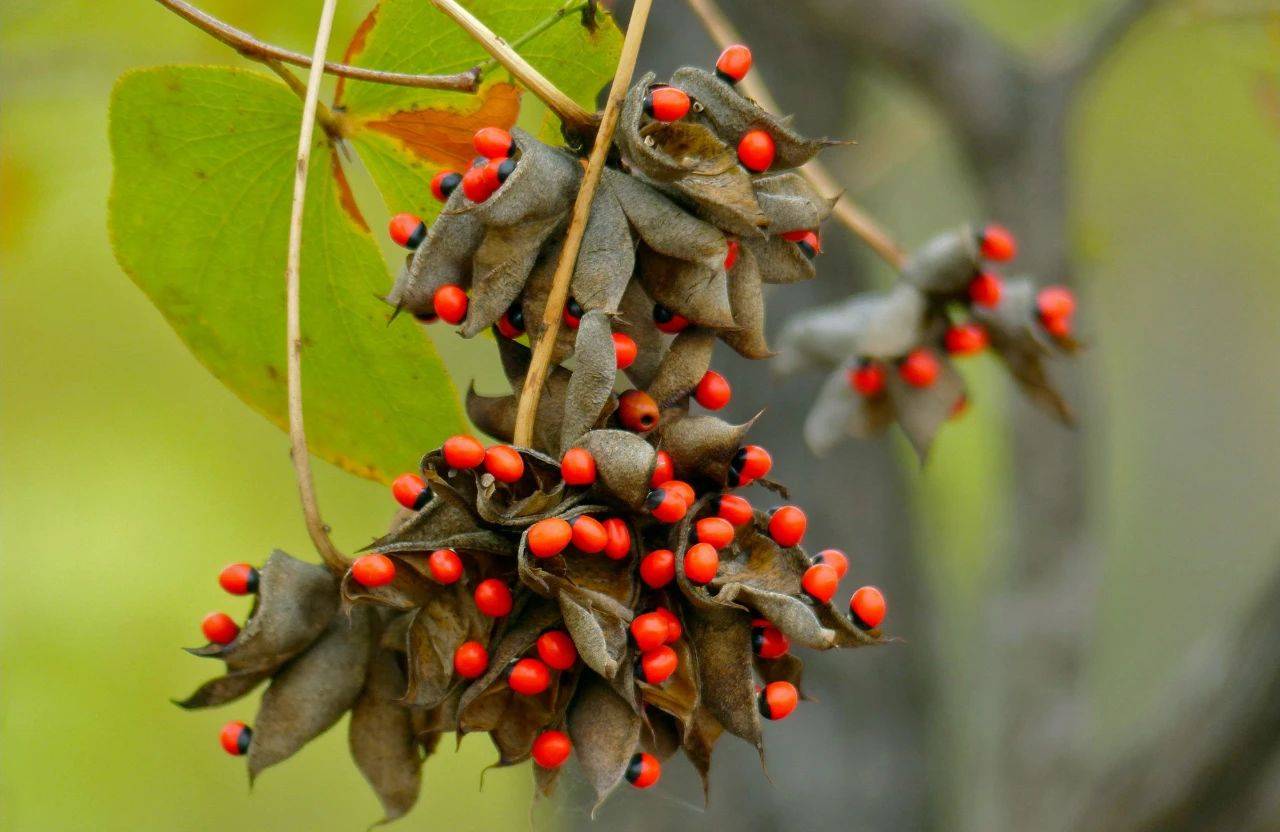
{"x":204,"y":161}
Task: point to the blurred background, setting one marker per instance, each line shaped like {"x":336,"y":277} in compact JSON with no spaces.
{"x":129,"y":475}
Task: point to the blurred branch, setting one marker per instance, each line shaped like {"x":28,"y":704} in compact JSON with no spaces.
{"x":1101,"y":36}
{"x":254,"y":49}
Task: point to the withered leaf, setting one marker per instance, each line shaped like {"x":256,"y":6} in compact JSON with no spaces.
{"x":840,"y":410}
{"x":624,"y":463}
{"x":443,"y":257}
{"x":683,"y":366}
{"x":660,"y":735}
{"x":791,"y":203}
{"x":383,"y":740}
{"x":601,"y":638}
{"x":494,"y":415}
{"x":678,"y":696}
{"x":534,"y":302}
{"x":607,"y":256}
{"x":445,"y":621}
{"x":605,"y":731}
{"x":524,"y":626}
{"x":922,"y":410}
{"x":545,"y":779}
{"x":543,"y":184}
{"x":946,"y":264}
{"x":664,"y":226}
{"x":746,"y":300}
{"x":721,"y":638}
{"x":501,"y":268}
{"x":779,"y":260}
{"x":765,"y":577}
{"x":593,"y":377}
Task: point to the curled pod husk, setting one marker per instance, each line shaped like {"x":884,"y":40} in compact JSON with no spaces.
{"x":791,"y":203}
{"x":687,"y":288}
{"x":444,"y":257}
{"x":880,"y":325}
{"x":746,"y":301}
{"x":946,"y":264}
{"x":779,"y":260}
{"x":684,"y":365}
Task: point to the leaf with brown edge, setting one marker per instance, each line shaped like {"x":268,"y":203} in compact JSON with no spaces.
{"x":592,"y":381}
{"x":500,"y":269}
{"x":382,"y":738}
{"x":443,"y":257}
{"x":605,"y":731}
{"x":721,"y":639}
{"x":696,"y":292}
{"x":493,"y":415}
{"x":946,"y":264}
{"x":224,"y":689}
{"x":780,"y":261}
{"x":664,"y":226}
{"x":624,"y":463}
{"x":703,"y":446}
{"x":306,"y":698}
{"x":791,"y":203}
{"x":447,"y":619}
{"x":684,"y":365}
{"x":635,"y":319}
{"x":746,"y":301}
{"x":922,"y":410}
{"x":607,"y":256}
{"x":407,"y":590}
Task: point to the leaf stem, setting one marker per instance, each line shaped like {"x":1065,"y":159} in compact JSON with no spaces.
{"x":849,"y":214}
{"x":531,"y":390}
{"x":569,"y":111}
{"x":316,"y":528}
{"x":257,"y":50}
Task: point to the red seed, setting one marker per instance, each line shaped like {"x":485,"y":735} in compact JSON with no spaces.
{"x":658,"y":568}
{"x":235,"y":737}
{"x":966,"y":339}
{"x":834,"y":558}
{"x":666,"y":103}
{"x":867,"y":607}
{"x":668,"y":321}
{"x":551,"y":749}
{"x":715,"y":531}
{"x":239,"y":579}
{"x":588,"y":534}
{"x":444,"y":183}
{"x":578,"y":467}
{"x":731,"y":257}
{"x":701,"y":562}
{"x":445,"y":566}
{"x":657,"y":665}
{"x":820,"y":581}
{"x":373,"y":570}
{"x":619,"y":538}
{"x":511,"y":324}
{"x":492,"y":177}
{"x":644,"y":770}
{"x":666,"y":506}
{"x":756,"y":151}
{"x":504,"y":462}
{"x":787,"y":525}
{"x":985,"y":290}
{"x":557,"y":649}
{"x":733,"y":508}
{"x":470,"y":660}
{"x":1055,"y":302}
{"x":674,"y":630}
{"x":1057,"y":327}
{"x":475,"y":184}
{"x":664,"y":469}
{"x":767,"y":641}
{"x":734,"y":63}
{"x":997,"y":243}
{"x":407,"y":230}
{"x":493,"y":598}
{"x":450,"y":303}
{"x":548,"y":538}
{"x":637,"y":411}
{"x":649,"y":630}
{"x":683,"y":489}
{"x":529,"y":677}
{"x":219,"y":628}
{"x":493,"y":142}
{"x":572,"y":314}
{"x":867,"y":379}
{"x":463,"y":451}
{"x":810,"y":244}
{"x":624,"y":350}
{"x":750,"y":464}
{"x":410,"y":491}
{"x":713,"y":391}
{"x":778,"y":700}
{"x":920,"y":368}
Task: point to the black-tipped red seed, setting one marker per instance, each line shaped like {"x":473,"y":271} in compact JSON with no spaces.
{"x":734,"y":63}
{"x":572,"y":315}
{"x":407,"y":230}
{"x":235,"y":737}
{"x":666,"y":103}
{"x":239,"y":579}
{"x":668,"y":321}
{"x":778,"y":700}
{"x":444,"y":183}
{"x":644,"y":770}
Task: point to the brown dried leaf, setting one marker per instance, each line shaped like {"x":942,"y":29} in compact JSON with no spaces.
{"x":524,"y":625}
{"x":699,"y":741}
{"x":702,"y":446}
{"x":224,"y":689}
{"x":946,"y":264}
{"x":592,"y":381}
{"x":407,"y":590}
{"x":447,"y":619}
{"x":534,"y":301}
{"x":443,"y":524}
{"x":383,"y":739}
{"x":544,"y":184}
{"x":660,"y":735}
{"x":605,"y":731}
{"x":683,"y":366}
{"x":1016,"y":336}
{"x":883,"y":325}
{"x":922,"y":410}
{"x":607,"y":256}
{"x":635,"y":318}
{"x":664,"y":226}
{"x":787,"y":668}
{"x":678,"y":696}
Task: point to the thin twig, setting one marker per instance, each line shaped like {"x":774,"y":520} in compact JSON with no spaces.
{"x":249,"y":46}
{"x":332,"y":124}
{"x":569,"y":111}
{"x":293,"y":319}
{"x":534,"y":380}
{"x":543,"y":25}
{"x":846,"y":211}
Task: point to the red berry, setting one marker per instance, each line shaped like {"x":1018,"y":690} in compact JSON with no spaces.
{"x":557,"y":649}
{"x":1056,"y":305}
{"x":733,"y":508}
{"x":624,"y":350}
{"x":966,"y":339}
{"x":219,"y":628}
{"x":407,"y":230}
{"x":529,"y":677}
{"x":1057,"y":327}
{"x":578,"y":467}
{"x":714,"y":531}
{"x":787,"y":525}
{"x":674,"y":629}
{"x":548,"y":538}
{"x":756,"y":151}
{"x":649,"y":630}
{"x":734,"y":63}
{"x":493,"y":598}
{"x":235,"y":738}
{"x":664,"y":469}
{"x":637,"y":411}
{"x":511,"y":324}
{"x":750,"y":464}
{"x":471,"y":660}
{"x":767,"y":641}
{"x":867,"y":379}
{"x":701,"y":562}
{"x":985,"y":290}
{"x":504,"y":462}
{"x":666,"y":103}
{"x":658,"y":568}
{"x":475,"y":184}
{"x":444,"y":183}
{"x":867,"y":606}
{"x":410,"y":491}
{"x":588,"y":534}
{"x":713,"y":391}
{"x":492,"y":177}
{"x":445,"y":566}
{"x":463,"y":451}
{"x":668,"y":321}
{"x":834,"y":558}
{"x":373,"y":570}
{"x":778,"y":700}
{"x":450,"y":303}
{"x":493,"y":142}
{"x":551,"y":749}
{"x":572,"y":314}
{"x":810,"y":244}
{"x":731,"y":256}
{"x":683,"y":489}
{"x":666,"y":506}
{"x":657,"y":665}
{"x":239,"y":579}
{"x":997,"y":243}
{"x":644,"y":770}
{"x":619,"y":538}
{"x":820,"y":581}
{"x":920,"y":368}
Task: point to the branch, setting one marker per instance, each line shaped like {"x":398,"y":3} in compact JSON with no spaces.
{"x":847,"y":212}
{"x":254,"y":49}
{"x":293,"y":320}
{"x":562,"y":105}
{"x":1099,"y":38}
{"x":531,"y":391}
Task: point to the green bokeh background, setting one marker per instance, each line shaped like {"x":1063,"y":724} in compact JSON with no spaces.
{"x":129,"y":475}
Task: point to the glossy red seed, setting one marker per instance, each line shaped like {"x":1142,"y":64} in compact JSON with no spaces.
{"x":463,"y":451}
{"x":507,"y":328}
{"x":683,"y":489}
{"x":471,"y":660}
{"x":966,"y":339}
{"x":644,"y":770}
{"x":867,"y":607}
{"x":767,"y":641}
{"x":548,"y":538}
{"x":373,"y":570}
{"x":920,"y":368}
{"x":572,"y":314}
{"x":664,"y":469}
{"x":667,"y":103}
{"x":787,"y":525}
{"x":820,"y":581}
{"x":735,"y":509}
{"x":674,"y":630}
{"x":238,"y":579}
{"x":408,"y":489}
{"x":624,"y":350}
{"x":834,"y":558}
{"x":985,"y":290}
{"x":493,"y":142}
{"x":493,"y":598}
{"x":1055,"y":302}
{"x":715,"y":531}
{"x":578,"y":467}
{"x":713,"y":391}
{"x":778,"y":700}
{"x":476,"y":184}
{"x":450,"y":303}
{"x":666,"y":506}
{"x":810,"y":244}
{"x":589,"y":535}
{"x":756,"y":151}
{"x":557,"y":650}
{"x":619,"y":538}
{"x":731,"y":256}
{"x":668,"y":321}
{"x":637,"y":411}
{"x":1057,"y":327}
{"x":734,"y":63}
{"x":551,"y":749}
{"x":444,"y":183}
{"x":445,"y":566}
{"x":235,"y":737}
{"x":701,"y":562}
{"x":867,"y":379}
{"x":504,"y":462}
{"x":657,"y":665}
{"x":219,"y":628}
{"x":407,"y":230}
{"x":649,"y":630}
{"x":529,"y":677}
{"x":658,"y":568}
{"x":997,"y":243}
{"x":750,"y":464}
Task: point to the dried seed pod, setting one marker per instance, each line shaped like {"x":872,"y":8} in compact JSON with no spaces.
{"x":443,"y":258}
{"x":746,"y":301}
{"x":791,"y":203}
